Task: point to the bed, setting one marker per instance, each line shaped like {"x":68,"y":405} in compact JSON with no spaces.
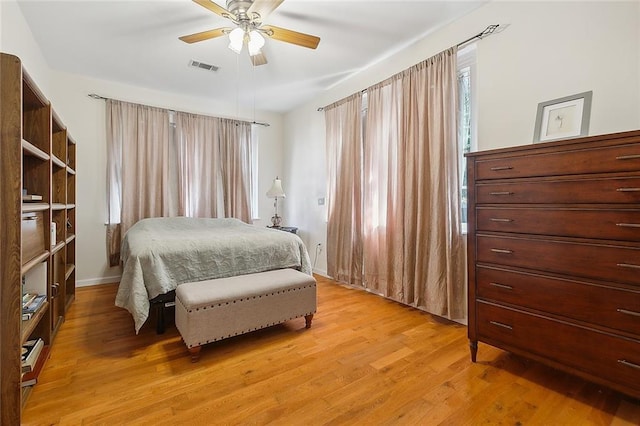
{"x":158,"y":254}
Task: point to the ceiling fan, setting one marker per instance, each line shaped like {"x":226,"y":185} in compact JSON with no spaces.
{"x":248,"y":16}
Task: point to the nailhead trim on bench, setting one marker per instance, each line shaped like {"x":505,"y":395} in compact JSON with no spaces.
{"x":248,"y":330}
{"x":241,"y":300}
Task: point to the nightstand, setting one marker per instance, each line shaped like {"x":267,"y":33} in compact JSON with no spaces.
{"x":291,"y":229}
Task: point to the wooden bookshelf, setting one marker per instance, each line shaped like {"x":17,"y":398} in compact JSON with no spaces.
{"x":37,"y":157}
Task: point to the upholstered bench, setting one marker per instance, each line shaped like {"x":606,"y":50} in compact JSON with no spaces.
{"x":212,"y":310}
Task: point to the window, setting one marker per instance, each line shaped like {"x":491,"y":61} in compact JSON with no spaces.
{"x":466,"y":117}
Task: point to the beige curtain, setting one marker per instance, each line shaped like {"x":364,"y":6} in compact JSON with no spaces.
{"x":199,"y":156}
{"x":215,"y":158}
{"x":236,"y":157}
{"x":137,"y":170}
{"x":343,"y":122}
{"x":394,"y":218}
{"x":413,"y":245}
{"x":200,"y":169}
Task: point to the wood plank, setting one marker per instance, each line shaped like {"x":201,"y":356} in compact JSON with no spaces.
{"x":365,"y":360}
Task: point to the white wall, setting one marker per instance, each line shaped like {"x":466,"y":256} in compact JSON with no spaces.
{"x":85,"y":120}
{"x":85,"y":117}
{"x":547,"y":50}
{"x":16,"y":38}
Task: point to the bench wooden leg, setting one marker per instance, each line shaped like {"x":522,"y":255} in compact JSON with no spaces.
{"x":307,"y":319}
{"x":195,"y":353}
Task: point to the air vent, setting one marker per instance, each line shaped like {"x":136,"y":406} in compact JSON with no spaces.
{"x":202,"y":66}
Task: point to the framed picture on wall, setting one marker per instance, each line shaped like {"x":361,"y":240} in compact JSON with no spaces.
{"x":563,"y":118}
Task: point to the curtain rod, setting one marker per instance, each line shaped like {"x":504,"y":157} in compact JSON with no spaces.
{"x":484,"y":33}
{"x":95,"y":96}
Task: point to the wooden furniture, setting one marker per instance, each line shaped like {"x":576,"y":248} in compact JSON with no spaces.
{"x":554,"y":255}
{"x":212,"y":310}
{"x":155,"y":250}
{"x":37,"y":156}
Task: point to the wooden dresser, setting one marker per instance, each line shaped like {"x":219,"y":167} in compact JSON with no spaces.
{"x":554,"y":255}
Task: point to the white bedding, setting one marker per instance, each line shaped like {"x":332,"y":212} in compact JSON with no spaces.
{"x":161,"y":253}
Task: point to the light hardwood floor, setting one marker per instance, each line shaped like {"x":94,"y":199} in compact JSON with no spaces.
{"x":365,"y":361}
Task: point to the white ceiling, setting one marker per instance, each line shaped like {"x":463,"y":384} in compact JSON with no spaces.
{"x":136,"y":42}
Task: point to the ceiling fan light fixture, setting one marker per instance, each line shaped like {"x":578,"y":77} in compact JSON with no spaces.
{"x":236,"y":40}
{"x":256,"y":42}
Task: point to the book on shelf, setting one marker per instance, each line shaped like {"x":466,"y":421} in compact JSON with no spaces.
{"x":32,"y":197}
{"x":34,"y":304}
{"x":31,"y":350}
{"x":28,"y":298}
{"x":31,"y":378}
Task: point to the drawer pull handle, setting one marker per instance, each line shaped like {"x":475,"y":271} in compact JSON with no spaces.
{"x":628,"y":265}
{"x":624,"y":311}
{"x":498,"y":168}
{"x":508,"y":327}
{"x":511,"y":193}
{"x":628,"y":189}
{"x":629,"y":364}
{"x":495,"y":219}
{"x":628,"y":157}
{"x":508,"y":287}
{"x":505,"y":251}
{"x":629,"y":225}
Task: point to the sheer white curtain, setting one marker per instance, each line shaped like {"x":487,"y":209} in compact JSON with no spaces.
{"x":384,"y":159}
{"x":344,"y":160}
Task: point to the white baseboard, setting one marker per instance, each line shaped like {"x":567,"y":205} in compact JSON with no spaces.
{"x":321,"y":272}
{"x":97,"y":281}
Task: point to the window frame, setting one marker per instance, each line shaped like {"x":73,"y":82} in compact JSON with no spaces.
{"x":467,"y":61}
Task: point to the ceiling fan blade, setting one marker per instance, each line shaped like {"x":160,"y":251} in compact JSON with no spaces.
{"x":204,"y":35}
{"x":263,"y":8}
{"x":258,"y":59}
{"x":289,"y":36}
{"x":214,"y":7}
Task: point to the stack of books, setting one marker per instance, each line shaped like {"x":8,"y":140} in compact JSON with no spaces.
{"x":31,"y":302}
{"x":34,"y":353}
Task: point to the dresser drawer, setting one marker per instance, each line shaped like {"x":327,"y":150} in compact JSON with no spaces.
{"x":611,"y":307}
{"x":615,"y":359}
{"x":579,"y":191}
{"x":615,"y":224}
{"x":588,"y":260}
{"x":624,"y":158}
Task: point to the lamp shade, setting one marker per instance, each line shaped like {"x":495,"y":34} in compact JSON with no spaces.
{"x":276,"y":189}
{"x":236,"y":40}
{"x":256,"y":41}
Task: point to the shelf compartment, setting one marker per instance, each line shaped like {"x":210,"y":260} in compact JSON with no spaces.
{"x":28,"y":326}
{"x":58,"y":162}
{"x":33,"y":151}
{"x":33,"y":262}
{"x":70,"y":238}
{"x":32,"y":97}
{"x":34,"y":207}
{"x":69,"y":270}
{"x":57,"y":247}
{"x":39,"y":365}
